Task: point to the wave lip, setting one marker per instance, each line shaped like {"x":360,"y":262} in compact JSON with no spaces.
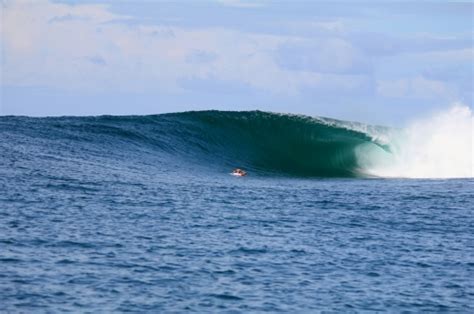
{"x":438,"y":147}
{"x":280,"y":144}
{"x":264,"y":143}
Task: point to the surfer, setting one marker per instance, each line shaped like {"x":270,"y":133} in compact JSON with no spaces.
{"x":239,"y":172}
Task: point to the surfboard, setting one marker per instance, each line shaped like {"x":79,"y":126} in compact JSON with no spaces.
{"x":237,"y":174}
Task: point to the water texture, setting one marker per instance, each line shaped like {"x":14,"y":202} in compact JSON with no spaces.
{"x":141,"y":214}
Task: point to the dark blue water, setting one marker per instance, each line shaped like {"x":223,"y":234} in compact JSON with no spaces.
{"x":114,"y":214}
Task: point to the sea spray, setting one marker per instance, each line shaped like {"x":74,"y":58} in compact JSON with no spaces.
{"x":440,"y":146}
{"x":266,"y":144}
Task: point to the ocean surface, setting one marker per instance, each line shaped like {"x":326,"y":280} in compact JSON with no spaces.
{"x":140,"y":213}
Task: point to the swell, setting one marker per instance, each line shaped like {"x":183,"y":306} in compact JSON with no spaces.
{"x":261,"y":142}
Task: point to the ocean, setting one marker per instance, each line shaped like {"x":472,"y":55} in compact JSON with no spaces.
{"x":141,"y":214}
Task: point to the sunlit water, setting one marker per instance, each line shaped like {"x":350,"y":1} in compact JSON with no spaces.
{"x":236,"y":243}
{"x":112,"y":224}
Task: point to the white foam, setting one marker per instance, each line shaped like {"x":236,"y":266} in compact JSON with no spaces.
{"x":440,"y":146}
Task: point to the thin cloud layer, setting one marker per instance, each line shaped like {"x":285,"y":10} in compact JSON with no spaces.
{"x":94,"y":48}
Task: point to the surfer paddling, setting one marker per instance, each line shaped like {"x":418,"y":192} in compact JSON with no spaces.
{"x":239,"y":172}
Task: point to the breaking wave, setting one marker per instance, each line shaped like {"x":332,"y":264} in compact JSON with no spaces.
{"x":263,"y":143}
{"x":440,"y":146}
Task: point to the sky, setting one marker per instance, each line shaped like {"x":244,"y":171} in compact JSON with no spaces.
{"x":378,"y":62}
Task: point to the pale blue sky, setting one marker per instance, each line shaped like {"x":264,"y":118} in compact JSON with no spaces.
{"x":379,"y":62}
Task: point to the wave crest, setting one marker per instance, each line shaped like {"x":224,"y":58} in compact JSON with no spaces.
{"x":263,"y":143}
{"x":440,"y":146}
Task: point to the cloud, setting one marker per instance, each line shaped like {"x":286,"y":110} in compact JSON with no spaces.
{"x":380,"y":44}
{"x":90,"y":48}
{"x":460,"y":75}
{"x":328,"y":55}
{"x":242,"y":3}
{"x":416,"y":88}
{"x":199,"y":56}
{"x":86,"y":47}
{"x":98,"y":60}
{"x":66,"y":18}
{"x":214,"y":85}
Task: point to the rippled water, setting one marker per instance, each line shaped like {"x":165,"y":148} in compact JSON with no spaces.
{"x":95,"y":218}
{"x":236,"y":244}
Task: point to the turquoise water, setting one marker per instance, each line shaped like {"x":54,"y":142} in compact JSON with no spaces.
{"x":141,"y":214}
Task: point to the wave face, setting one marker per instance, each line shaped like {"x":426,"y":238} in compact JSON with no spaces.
{"x":261,"y":142}
{"x":279,"y":144}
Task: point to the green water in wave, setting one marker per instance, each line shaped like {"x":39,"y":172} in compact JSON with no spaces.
{"x":283,"y":144}
{"x":261,"y":142}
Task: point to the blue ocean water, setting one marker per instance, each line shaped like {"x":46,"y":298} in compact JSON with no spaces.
{"x":141,"y":214}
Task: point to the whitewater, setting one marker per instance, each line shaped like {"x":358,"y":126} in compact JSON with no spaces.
{"x":140,"y":214}
{"x":266,"y":143}
{"x":440,"y":146}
